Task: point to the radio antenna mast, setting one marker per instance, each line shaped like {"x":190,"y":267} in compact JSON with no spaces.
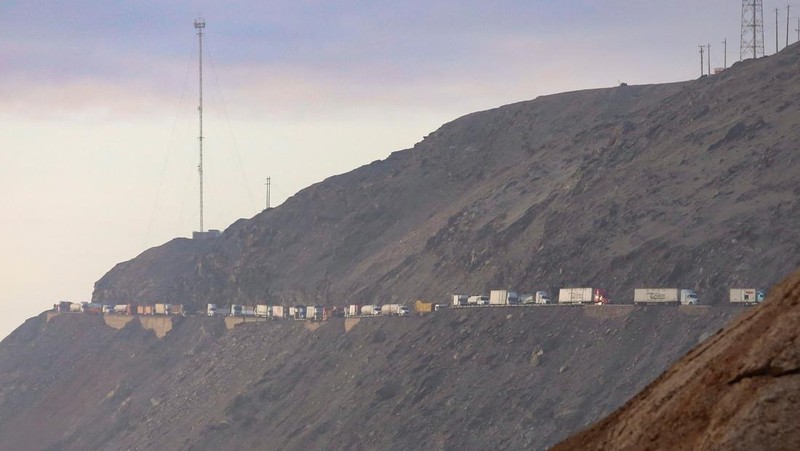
{"x":200,"y":24}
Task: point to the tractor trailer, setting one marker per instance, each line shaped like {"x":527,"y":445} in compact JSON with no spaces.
{"x":746,"y":296}
{"x":503,"y":297}
{"x":583,"y":296}
{"x":665,"y":296}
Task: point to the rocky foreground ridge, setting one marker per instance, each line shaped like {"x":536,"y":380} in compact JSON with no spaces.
{"x":469,"y":379}
{"x":739,"y":390}
{"x":690,"y":184}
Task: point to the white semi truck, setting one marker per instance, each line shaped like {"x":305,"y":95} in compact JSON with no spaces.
{"x":395,"y":310}
{"x":503,"y":297}
{"x":370,"y":310}
{"x":540,"y":297}
{"x":261,"y":311}
{"x":747,"y":296}
{"x":665,"y":296}
{"x":478,"y":300}
{"x":582,"y":296}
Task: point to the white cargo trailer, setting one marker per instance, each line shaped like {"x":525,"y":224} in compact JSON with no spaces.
{"x":582,"y":296}
{"x":395,"y":310}
{"x":352,"y":310}
{"x":747,"y":296}
{"x":370,"y":310}
{"x":664,"y":296}
{"x":503,"y":297}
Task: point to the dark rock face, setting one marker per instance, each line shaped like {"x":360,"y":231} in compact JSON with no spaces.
{"x":472,"y":379}
{"x":688,"y":184}
{"x":739,"y":390}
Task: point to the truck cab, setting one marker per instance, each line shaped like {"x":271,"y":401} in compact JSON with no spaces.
{"x":601,"y":297}
{"x":542,"y":297}
{"x":689,"y":297}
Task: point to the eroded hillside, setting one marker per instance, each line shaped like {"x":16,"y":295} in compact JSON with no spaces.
{"x":689,"y":184}
{"x":491,"y":378}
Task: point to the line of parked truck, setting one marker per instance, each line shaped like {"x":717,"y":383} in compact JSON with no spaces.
{"x":119,"y":309}
{"x":496,"y":298}
{"x":296,"y":312}
{"x":598,"y":296}
{"x":308,"y":312}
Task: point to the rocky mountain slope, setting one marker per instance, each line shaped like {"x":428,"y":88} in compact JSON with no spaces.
{"x":470,"y":379}
{"x":689,"y":184}
{"x":737,"y":391}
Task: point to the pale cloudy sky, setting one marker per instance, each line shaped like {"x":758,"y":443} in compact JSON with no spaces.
{"x":98,"y":104}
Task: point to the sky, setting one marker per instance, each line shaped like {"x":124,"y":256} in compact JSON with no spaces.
{"x":99,"y":104}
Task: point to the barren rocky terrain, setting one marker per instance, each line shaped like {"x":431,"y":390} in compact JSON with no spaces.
{"x":474,"y":379}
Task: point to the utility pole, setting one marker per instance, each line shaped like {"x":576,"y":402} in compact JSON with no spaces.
{"x":751,"y":44}
{"x":200,"y":24}
{"x":702,"y":66}
{"x":725,"y":56}
{"x":776,"y":30}
{"x":269,"y":181}
{"x":798,"y":29}
{"x":708,"y":58}
{"x":787,"y":25}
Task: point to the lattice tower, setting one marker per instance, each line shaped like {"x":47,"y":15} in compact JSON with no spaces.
{"x":752,"y":41}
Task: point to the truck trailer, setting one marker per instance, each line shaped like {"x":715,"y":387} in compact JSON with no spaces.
{"x":582,"y":296}
{"x":353,"y":310}
{"x":747,"y":296}
{"x":503,"y":297}
{"x":395,"y":310}
{"x":664,"y":296}
{"x":423,"y":306}
{"x":370,"y":310}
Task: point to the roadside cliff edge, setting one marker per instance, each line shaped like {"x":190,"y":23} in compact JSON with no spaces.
{"x":739,"y":390}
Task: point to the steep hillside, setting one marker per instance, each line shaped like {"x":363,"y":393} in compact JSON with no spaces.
{"x":621,"y":187}
{"x":737,"y":391}
{"x":499,"y":378}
